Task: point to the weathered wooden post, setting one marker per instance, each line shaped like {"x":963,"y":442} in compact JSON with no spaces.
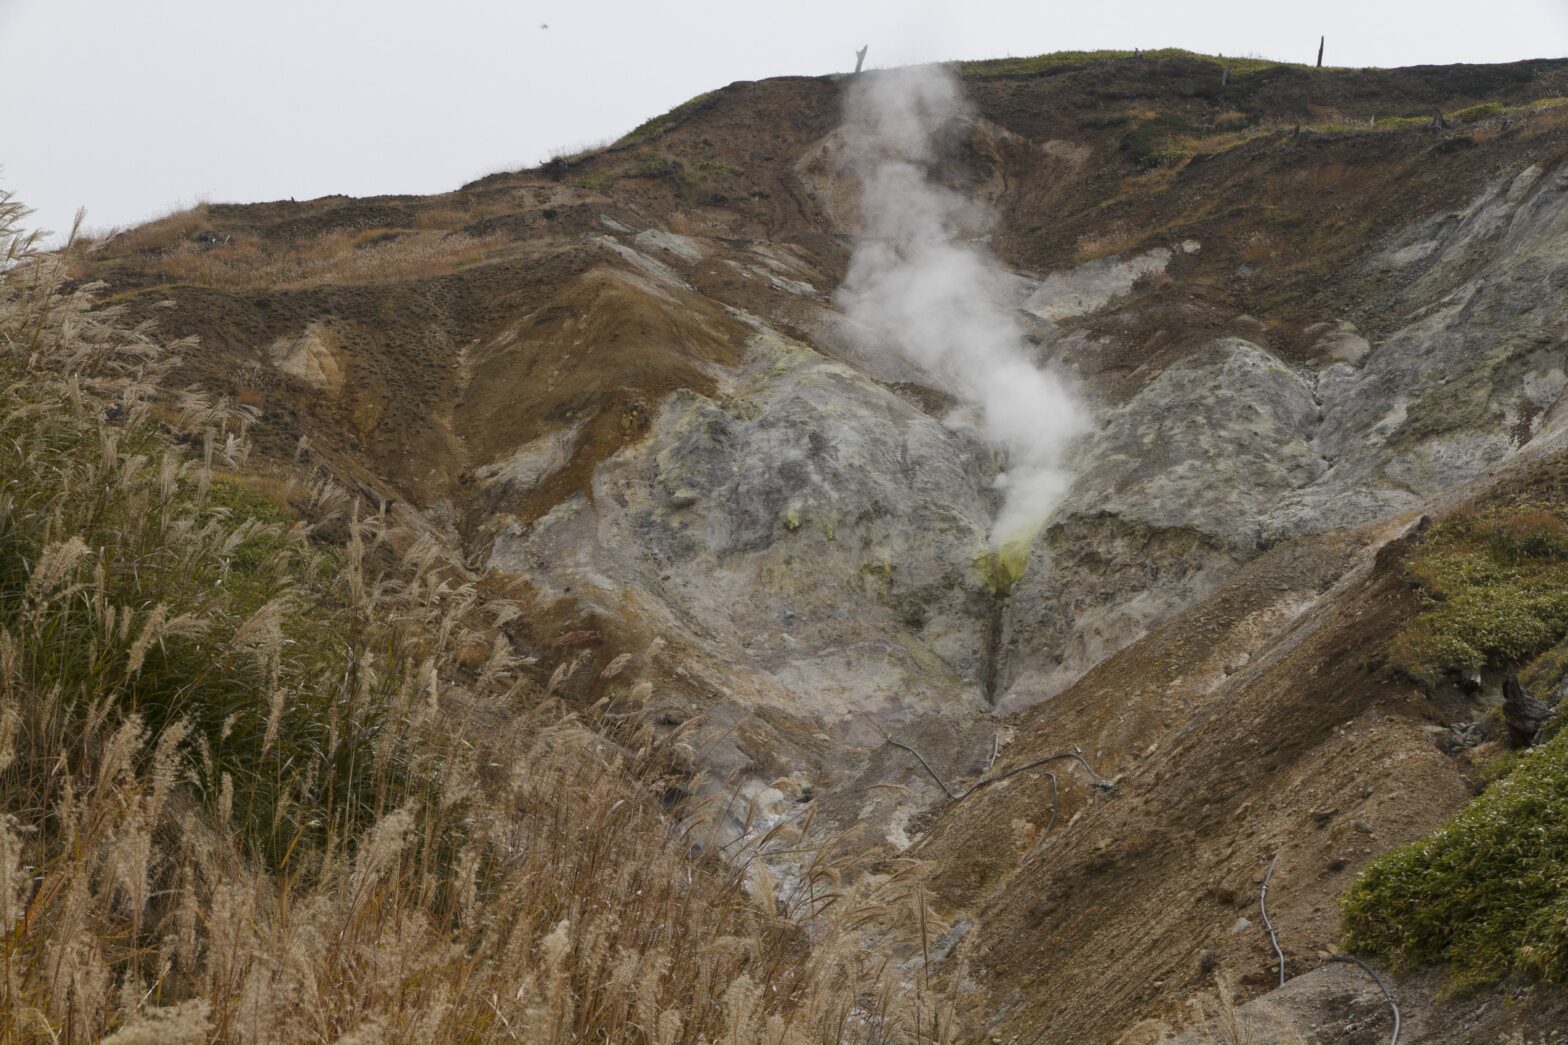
{"x":1321,"y":41}
{"x":860,"y":57}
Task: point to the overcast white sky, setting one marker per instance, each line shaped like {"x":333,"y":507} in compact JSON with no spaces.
{"x":134,"y":107}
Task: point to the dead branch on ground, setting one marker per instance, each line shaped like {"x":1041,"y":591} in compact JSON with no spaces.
{"x":986,"y":780}
{"x":1392,"y":1004}
{"x":1263,"y":896}
{"x":1347,"y":959}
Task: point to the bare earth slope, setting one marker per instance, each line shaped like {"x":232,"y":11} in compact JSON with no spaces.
{"x":1305,"y":314}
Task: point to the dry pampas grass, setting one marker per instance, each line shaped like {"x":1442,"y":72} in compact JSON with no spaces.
{"x":253,"y":790}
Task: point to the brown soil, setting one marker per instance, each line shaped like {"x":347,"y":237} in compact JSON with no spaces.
{"x":1220,"y":764}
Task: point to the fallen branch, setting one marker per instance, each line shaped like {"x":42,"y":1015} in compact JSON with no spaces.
{"x":1263,"y":896}
{"x":1100,"y":782}
{"x":1075,"y":755}
{"x":1345,"y":958}
{"x":1392,"y":1004}
{"x":954,"y":795}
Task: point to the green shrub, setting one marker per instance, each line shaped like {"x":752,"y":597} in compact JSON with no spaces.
{"x":1495,"y":583}
{"x":1486,"y":894}
{"x":1477,"y":113}
{"x":1149,"y":144}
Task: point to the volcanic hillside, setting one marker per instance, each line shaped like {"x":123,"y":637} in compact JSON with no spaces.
{"x":1320,"y":318}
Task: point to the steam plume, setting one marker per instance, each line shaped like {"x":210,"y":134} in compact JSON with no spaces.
{"x":921,"y":284}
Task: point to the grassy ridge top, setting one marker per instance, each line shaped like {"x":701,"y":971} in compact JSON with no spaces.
{"x":1057,"y":60}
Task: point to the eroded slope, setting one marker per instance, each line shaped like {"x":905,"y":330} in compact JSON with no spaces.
{"x":1302,"y":317}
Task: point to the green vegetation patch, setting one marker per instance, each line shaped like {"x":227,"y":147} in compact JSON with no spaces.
{"x":716,"y":169}
{"x":1495,"y":581}
{"x":1153,"y":142}
{"x":1381,"y":124}
{"x":1477,"y":113}
{"x":646,"y":164}
{"x":658,"y":125}
{"x":1485,"y":895}
{"x":1461,"y":117}
{"x":1060,"y":60}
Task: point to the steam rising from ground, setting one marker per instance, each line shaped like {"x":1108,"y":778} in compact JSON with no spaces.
{"x":921,"y":284}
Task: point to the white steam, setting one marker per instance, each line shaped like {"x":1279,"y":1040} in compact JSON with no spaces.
{"x":921,"y":283}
